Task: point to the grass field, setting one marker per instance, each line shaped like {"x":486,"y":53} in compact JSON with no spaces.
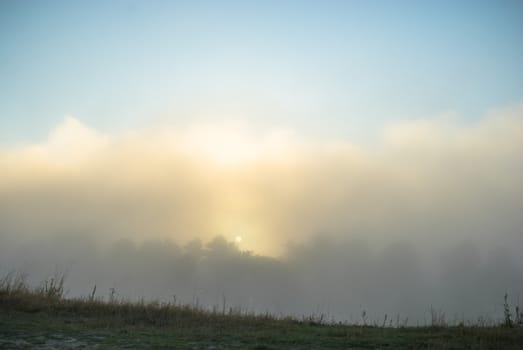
{"x":40,"y":318}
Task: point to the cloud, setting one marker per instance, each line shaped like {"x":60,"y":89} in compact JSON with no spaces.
{"x":433,"y":207}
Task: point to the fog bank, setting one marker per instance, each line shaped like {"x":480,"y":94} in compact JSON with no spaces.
{"x":430,"y":214}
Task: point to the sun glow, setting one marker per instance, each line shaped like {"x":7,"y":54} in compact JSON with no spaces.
{"x":220,"y":145}
{"x":232,"y":145}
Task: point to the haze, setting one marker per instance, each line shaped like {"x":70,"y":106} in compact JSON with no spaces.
{"x":240,"y":152}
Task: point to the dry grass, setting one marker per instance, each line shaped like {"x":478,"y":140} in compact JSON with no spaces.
{"x":35,"y":313}
{"x":49,"y":297}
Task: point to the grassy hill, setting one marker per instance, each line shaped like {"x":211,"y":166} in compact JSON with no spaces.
{"x":41,"y":318}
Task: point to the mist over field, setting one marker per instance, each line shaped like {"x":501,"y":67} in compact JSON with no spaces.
{"x":429,"y":215}
{"x":334,"y":174}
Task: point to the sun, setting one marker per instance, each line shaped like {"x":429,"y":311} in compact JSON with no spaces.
{"x":238,"y":239}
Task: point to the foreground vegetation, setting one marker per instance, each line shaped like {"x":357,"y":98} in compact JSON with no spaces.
{"x":41,"y":318}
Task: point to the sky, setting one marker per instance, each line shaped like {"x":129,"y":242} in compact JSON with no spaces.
{"x":297,"y":157}
{"x":326,"y":69}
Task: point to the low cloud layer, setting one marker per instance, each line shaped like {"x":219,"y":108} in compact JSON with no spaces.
{"x":428,"y":215}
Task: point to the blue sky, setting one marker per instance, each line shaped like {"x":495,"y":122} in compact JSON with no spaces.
{"x":339,"y":69}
